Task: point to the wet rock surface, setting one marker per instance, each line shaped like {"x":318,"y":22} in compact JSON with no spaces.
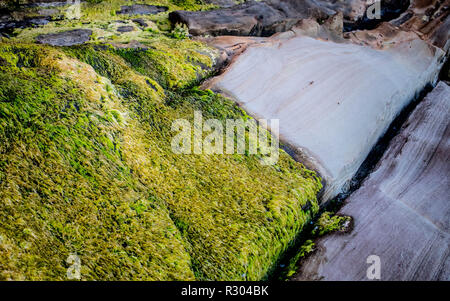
{"x":66,"y":38}
{"x":141,"y":9}
{"x":401,"y":211}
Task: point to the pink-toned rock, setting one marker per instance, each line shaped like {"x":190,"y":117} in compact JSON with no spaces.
{"x":401,"y":212}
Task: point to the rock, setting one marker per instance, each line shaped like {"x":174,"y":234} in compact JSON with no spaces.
{"x":229,"y":47}
{"x":66,"y":38}
{"x":8,"y":23}
{"x":44,"y":3}
{"x":250,"y":18}
{"x":389,"y":9}
{"x":401,"y":212}
{"x":133,"y":44}
{"x":125,"y":28}
{"x":141,"y":9}
{"x":271,"y":16}
{"x":39,"y":21}
{"x":436,"y":28}
{"x":334,"y":99}
{"x":48,"y":12}
{"x":141,"y":22}
{"x":221,"y":3}
{"x":4,"y":35}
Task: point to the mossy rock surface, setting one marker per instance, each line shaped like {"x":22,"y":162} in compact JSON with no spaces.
{"x":86,"y":168}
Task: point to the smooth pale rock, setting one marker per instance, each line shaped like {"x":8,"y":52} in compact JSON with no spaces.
{"x":402,"y":211}
{"x":66,"y":38}
{"x":333,"y":100}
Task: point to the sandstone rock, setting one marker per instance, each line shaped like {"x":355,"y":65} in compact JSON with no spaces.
{"x":401,"y":213}
{"x":250,"y":18}
{"x":66,"y":38}
{"x":428,"y":18}
{"x":334,"y":98}
{"x":141,"y":9}
{"x":268,"y":17}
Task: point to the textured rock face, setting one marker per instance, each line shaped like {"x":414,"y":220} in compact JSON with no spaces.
{"x":429,"y":19}
{"x":268,"y":17}
{"x":221,"y":3}
{"x":401,"y":211}
{"x":250,"y":18}
{"x":334,"y":100}
{"x":66,"y":38}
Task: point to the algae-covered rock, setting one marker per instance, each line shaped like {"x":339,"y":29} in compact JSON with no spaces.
{"x":88,"y":169}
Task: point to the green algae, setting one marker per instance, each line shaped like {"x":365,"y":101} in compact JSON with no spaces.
{"x":65,"y":188}
{"x":325,"y":224}
{"x":87,"y":169}
{"x":86,"y":164}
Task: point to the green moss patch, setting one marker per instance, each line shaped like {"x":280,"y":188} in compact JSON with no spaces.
{"x":325,"y":224}
{"x":86,"y":167}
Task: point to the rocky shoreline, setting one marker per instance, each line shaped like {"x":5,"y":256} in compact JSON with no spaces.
{"x":334,"y":78}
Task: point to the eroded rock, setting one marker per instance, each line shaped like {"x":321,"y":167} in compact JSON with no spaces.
{"x":66,"y":38}
{"x":401,"y":211}
{"x":250,"y":18}
{"x":268,"y":17}
{"x":334,"y":99}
